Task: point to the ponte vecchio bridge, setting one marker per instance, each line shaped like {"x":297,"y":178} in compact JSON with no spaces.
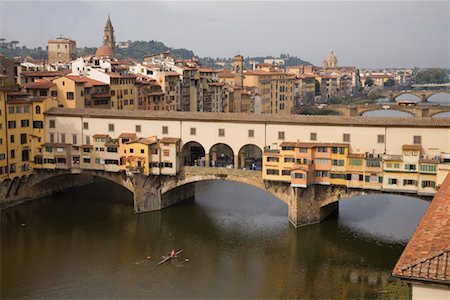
{"x":212,"y":133}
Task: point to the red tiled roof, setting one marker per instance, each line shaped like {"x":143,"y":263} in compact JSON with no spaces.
{"x":39,"y":84}
{"x":44,"y":73}
{"x":169,"y":140}
{"x":427,"y":255}
{"x":412,"y":147}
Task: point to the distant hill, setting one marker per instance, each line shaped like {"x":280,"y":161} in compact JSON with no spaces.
{"x":139,"y":49}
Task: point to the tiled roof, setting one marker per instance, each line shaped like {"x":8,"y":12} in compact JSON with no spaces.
{"x":127,"y":135}
{"x":169,"y":140}
{"x":427,"y":255}
{"x":44,"y":73}
{"x":100,"y":136}
{"x":253,"y":118}
{"x":38,"y":84}
{"x":412,"y":147}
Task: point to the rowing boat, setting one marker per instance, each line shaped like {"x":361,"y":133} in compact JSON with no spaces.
{"x":167,"y":258}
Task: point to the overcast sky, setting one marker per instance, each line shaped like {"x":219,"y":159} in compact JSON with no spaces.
{"x":363,"y":33}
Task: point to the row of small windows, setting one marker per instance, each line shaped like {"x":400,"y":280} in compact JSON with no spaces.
{"x":23,"y":109}
{"x":424,"y":183}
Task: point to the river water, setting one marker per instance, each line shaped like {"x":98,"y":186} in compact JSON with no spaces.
{"x":88,"y":243}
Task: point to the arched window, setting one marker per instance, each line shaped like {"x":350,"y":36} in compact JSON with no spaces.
{"x":38,"y":109}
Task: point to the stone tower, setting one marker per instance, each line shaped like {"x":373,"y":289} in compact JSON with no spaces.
{"x":331,"y":60}
{"x":108,"y":37}
{"x":238,"y":70}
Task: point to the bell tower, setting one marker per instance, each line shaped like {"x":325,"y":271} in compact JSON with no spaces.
{"x":108,"y":36}
{"x":238,"y":70}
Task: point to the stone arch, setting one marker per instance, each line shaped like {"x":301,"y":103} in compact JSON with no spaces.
{"x":221,"y":155}
{"x":428,"y":99}
{"x":416,"y":96}
{"x":393,"y":109}
{"x":250,"y":157}
{"x":441,"y":114}
{"x":193,"y":154}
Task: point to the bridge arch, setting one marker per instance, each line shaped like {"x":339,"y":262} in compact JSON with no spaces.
{"x":442,"y":114}
{"x":193,"y":154}
{"x":439,"y":97}
{"x":409,"y":96}
{"x":221,"y":155}
{"x":393,"y":111}
{"x":250,"y":157}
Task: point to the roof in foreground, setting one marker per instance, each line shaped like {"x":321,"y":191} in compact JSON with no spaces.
{"x":251,"y":118}
{"x":427,"y":255}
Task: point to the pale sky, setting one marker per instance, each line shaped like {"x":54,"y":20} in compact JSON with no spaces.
{"x":362,"y":33}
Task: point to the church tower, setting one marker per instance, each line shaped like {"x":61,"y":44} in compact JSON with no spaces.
{"x":109,"y":43}
{"x":238,"y":70}
{"x":108,"y":37}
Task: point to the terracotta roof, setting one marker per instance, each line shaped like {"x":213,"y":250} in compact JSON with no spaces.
{"x":127,"y":135}
{"x":311,"y":144}
{"x":412,"y":147}
{"x":39,"y":84}
{"x":427,"y":255}
{"x":100,"y":136}
{"x":92,"y":82}
{"x":60,"y":145}
{"x":76,"y":78}
{"x":226,"y":74}
{"x":44,"y":73}
{"x":169,"y":140}
{"x":254,"y":118}
{"x":117,"y":75}
{"x":356,"y":155}
{"x":428,"y":161}
{"x":105,"y":51}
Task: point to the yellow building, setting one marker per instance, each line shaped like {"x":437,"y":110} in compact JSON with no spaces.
{"x":138,"y":155}
{"x":70,"y":91}
{"x":123,"y":91}
{"x":338,"y":175}
{"x":22,"y":128}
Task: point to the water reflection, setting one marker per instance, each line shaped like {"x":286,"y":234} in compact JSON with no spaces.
{"x":88,"y":243}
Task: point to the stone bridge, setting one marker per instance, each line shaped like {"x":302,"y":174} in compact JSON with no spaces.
{"x":359,"y":109}
{"x":423,"y":95}
{"x":152,"y":193}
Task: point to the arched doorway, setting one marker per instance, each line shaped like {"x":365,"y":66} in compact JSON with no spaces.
{"x":250,"y":157}
{"x":221,"y":156}
{"x":193,"y":154}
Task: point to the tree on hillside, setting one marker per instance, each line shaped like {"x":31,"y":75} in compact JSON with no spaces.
{"x":432,"y":76}
{"x":389,"y":83}
{"x":369,"y":82}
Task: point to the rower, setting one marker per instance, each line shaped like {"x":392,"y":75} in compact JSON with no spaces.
{"x":172,"y":253}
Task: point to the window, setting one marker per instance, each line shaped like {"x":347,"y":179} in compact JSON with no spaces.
{"x":11,"y":124}
{"x":272,"y":172}
{"x":25,"y":155}
{"x":69,"y":96}
{"x":410,"y":167}
{"x":38,"y":109}
{"x":18,"y":109}
{"x":193,"y":131}
{"x":322,"y":161}
{"x":392,"y":181}
{"x":417,"y":139}
{"x":251,"y":133}
{"x":272,"y":159}
{"x":26,"y":109}
{"x":338,"y":162}
{"x":322,"y":149}
{"x":88,"y":140}
{"x":346,"y":137}
{"x":166,"y":152}
{"x":11,"y":109}
{"x":313,"y":136}
{"x":87,"y":160}
{"x":373,"y":163}
{"x":428,"y":183}
{"x":221,"y":132}
{"x":286,"y":172}
{"x":85,"y":125}
{"x":12,"y":153}
{"x":165,"y":130}
{"x":86,"y":149}
{"x":23,"y":138}
{"x":142,"y":151}
{"x":38,"y":124}
{"x":25,"y":123}
{"x":289,"y":159}
{"x":51,"y":124}
{"x":409,"y":182}
{"x":298,"y":175}
{"x":281,"y":135}
{"x":355,"y":162}
{"x":63,"y":138}
{"x":131,"y":150}
{"x":138,"y":128}
{"x":74,"y":139}
{"x":321,"y":173}
{"x":110,"y":127}
{"x":428,"y":168}
{"x":54,"y":93}
{"x":52,"y":137}
{"x":11,"y":138}
{"x":303,"y":150}
{"x":380,"y":138}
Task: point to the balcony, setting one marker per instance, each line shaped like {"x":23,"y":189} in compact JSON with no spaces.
{"x":392,"y":157}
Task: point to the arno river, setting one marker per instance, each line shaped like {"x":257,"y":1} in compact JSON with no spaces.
{"x":88,"y":243}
